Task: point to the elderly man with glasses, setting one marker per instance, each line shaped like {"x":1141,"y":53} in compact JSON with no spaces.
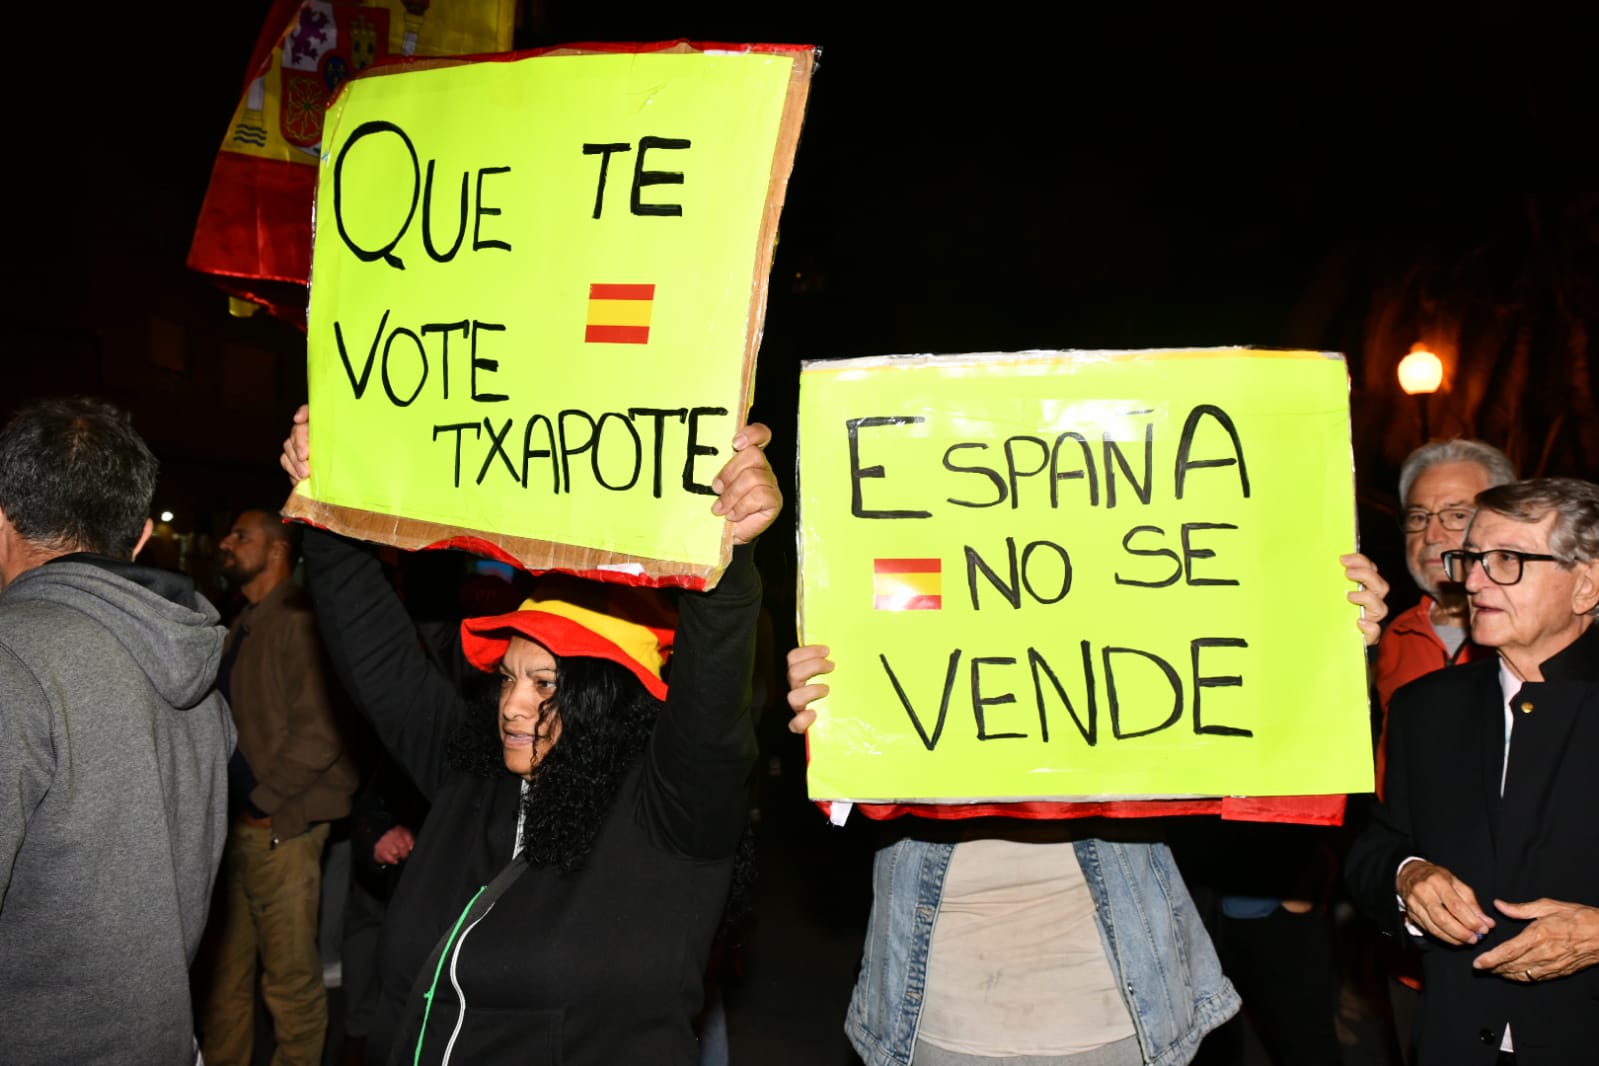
{"x":1484,"y":850}
{"x":1437,"y":485}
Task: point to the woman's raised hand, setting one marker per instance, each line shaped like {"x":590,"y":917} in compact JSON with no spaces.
{"x":746,"y":488}
{"x":296,"y":457}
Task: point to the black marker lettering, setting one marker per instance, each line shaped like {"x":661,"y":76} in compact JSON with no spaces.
{"x":857,"y":472}
{"x":604,"y":152}
{"x":478,"y":243}
{"x":385,"y":252}
{"x":642,"y":177}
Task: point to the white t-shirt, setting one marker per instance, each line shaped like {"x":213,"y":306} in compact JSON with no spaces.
{"x":1016,"y":965}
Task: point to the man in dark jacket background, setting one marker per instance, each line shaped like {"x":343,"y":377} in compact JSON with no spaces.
{"x":291,"y":777}
{"x":113,"y":751}
{"x":1481,"y":851}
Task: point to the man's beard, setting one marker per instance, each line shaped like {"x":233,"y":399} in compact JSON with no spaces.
{"x":236,"y":573}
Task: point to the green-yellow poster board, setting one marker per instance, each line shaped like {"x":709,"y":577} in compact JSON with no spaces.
{"x":1071,"y":575}
{"x":537,"y":292}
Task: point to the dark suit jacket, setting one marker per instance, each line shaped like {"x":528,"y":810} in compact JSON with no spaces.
{"x":1540,"y":839}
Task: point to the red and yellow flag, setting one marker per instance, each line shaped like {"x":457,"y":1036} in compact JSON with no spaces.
{"x":619,"y":314}
{"x":254,"y":232}
{"x":907,"y":584}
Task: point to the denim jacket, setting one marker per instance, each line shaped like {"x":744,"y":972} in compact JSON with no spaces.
{"x":1158,"y":949}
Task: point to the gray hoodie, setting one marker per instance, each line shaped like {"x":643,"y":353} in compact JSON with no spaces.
{"x":113,"y":809}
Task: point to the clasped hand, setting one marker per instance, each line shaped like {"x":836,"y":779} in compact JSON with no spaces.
{"x":1560,"y":939}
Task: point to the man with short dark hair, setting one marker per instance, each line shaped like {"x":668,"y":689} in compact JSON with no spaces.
{"x":292,"y":777}
{"x":113,"y":751}
{"x":1491,"y":795}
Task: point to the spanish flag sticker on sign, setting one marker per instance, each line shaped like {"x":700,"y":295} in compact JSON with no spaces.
{"x":619,"y":314}
{"x":907,"y":584}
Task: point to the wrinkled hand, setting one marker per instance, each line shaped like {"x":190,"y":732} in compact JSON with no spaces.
{"x":1562,"y":939}
{"x":746,"y":488}
{"x":296,"y":457}
{"x":805,"y":663}
{"x":394,"y":846}
{"x":1370,"y":597}
{"x":1441,"y":904}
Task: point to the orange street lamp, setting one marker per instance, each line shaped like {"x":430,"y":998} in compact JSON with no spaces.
{"x":1420,"y":374}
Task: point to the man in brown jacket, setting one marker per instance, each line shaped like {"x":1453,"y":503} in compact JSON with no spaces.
{"x":290,"y":777}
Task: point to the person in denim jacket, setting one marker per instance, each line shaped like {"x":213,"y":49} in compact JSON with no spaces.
{"x":1034,"y":943}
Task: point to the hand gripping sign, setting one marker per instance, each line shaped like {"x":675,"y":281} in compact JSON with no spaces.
{"x":1083,"y":577}
{"x":537,"y":290}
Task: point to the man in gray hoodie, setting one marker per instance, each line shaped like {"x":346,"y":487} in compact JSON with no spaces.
{"x":113,"y":751}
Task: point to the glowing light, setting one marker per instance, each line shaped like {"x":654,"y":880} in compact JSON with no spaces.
{"x":1420,"y":372}
{"x":166,"y":516}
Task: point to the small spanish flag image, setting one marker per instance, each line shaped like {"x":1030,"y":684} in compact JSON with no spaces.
{"x":907,"y":584}
{"x":619,"y":314}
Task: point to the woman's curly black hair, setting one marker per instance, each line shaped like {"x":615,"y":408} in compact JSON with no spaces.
{"x":606,"y":717}
{"x":606,"y":720}
{"x":475,"y":747}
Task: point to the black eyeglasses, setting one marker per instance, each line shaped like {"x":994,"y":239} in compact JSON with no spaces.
{"x":1501,"y":565}
{"x":1453,"y":519}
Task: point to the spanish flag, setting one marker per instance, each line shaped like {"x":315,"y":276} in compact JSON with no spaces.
{"x":907,"y":584}
{"x":253,"y":236}
{"x":619,"y":314}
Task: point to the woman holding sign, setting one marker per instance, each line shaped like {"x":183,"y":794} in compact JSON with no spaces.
{"x":560,"y":902}
{"x":1045,"y":943}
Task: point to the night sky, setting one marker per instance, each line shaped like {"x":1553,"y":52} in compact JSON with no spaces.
{"x":991,"y":178}
{"x":985,"y":177}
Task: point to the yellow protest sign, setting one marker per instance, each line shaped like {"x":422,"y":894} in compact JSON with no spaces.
{"x":1056,"y":575}
{"x":537,"y":292}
